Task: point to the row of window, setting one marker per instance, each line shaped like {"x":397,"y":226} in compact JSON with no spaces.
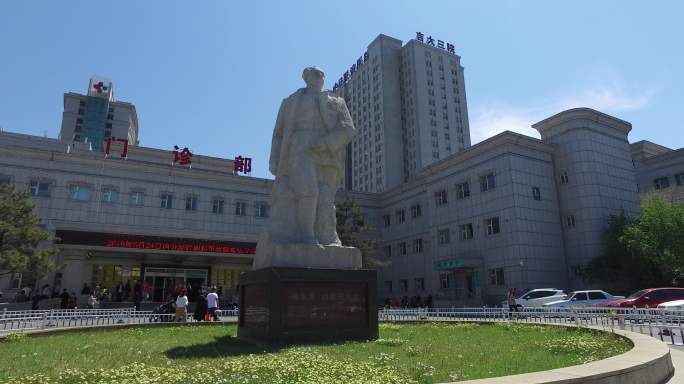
{"x":491,"y":227}
{"x":664,"y":182}
{"x":83,"y":192}
{"x":418,"y":285}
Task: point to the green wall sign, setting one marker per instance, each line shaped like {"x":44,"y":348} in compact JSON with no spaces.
{"x":447,"y":264}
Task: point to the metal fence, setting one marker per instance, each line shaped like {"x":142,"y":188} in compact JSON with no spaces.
{"x":667,"y":325}
{"x":13,"y":321}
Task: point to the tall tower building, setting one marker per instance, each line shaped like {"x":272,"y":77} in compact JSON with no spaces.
{"x":409,"y":106}
{"x":96,"y":116}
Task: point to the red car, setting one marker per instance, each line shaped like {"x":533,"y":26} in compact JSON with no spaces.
{"x":649,"y":298}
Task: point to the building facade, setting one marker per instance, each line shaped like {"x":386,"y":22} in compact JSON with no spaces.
{"x":137,"y":218}
{"x":511,"y":211}
{"x":409,"y":106}
{"x":95,"y":117}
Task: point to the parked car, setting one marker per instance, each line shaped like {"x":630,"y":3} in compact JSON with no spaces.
{"x":538,"y":297}
{"x":649,"y":298}
{"x":584,"y":299}
{"x":675,"y":305}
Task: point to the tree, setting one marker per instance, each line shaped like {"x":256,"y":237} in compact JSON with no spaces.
{"x":21,"y":239}
{"x":658,"y":237}
{"x":354,"y":232}
{"x":645,"y":252}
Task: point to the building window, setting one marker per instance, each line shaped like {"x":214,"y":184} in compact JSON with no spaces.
{"x":570,"y":221}
{"x":136,"y":198}
{"x":496,"y":277}
{"x":404,"y":285}
{"x":262,"y":210}
{"x":492,"y":225}
{"x":166,"y":201}
{"x":466,"y":231}
{"x":81,"y":103}
{"x":388,"y":286}
{"x":388,"y":251}
{"x":191,"y":203}
{"x":79,"y":192}
{"x":679,"y":178}
{"x":564,"y":178}
{"x":401,"y":216}
{"x":109,"y":195}
{"x":462,"y":190}
{"x":417,"y":245}
{"x":536,"y":193}
{"x":487,"y":182}
{"x":217,"y":206}
{"x":39,"y":188}
{"x":441,"y":197}
{"x":419,"y":284}
{"x":443,"y":237}
{"x":5,"y":180}
{"x":446,"y":279}
{"x":240,"y":208}
{"x":402,"y":248}
{"x":386,"y":219}
{"x":416,"y":211}
{"x":661,"y":183}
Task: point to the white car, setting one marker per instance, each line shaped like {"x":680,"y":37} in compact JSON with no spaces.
{"x":584,"y":299}
{"x":676,"y":305}
{"x":538,"y":297}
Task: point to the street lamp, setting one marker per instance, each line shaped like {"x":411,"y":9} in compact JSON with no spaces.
{"x":522,"y":263}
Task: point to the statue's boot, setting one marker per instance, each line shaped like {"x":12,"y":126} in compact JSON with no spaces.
{"x":326,"y":221}
{"x":306,"y":216}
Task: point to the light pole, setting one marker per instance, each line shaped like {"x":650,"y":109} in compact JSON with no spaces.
{"x":522,"y":264}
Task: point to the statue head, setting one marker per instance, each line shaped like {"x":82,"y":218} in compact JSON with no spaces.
{"x":314,"y":78}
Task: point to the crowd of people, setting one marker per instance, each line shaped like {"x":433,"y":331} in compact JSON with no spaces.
{"x":408,"y":302}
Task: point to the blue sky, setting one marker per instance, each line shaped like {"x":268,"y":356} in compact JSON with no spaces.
{"x":210,"y":75}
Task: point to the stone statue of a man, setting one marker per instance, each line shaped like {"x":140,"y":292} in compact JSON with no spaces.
{"x":308,"y":151}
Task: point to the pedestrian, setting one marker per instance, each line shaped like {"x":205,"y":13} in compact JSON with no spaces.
{"x":213,"y":303}
{"x":127,"y":290}
{"x":119,"y":290}
{"x":64,"y":299}
{"x":92,"y":301}
{"x":71,"y":301}
{"x":512,"y":305}
{"x":200,"y":308}
{"x":182,"y":306}
{"x":146,"y":290}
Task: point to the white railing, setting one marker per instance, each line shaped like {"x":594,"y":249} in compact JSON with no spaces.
{"x":12,"y":321}
{"x":668,"y":325}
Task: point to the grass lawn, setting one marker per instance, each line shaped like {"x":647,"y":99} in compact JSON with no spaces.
{"x":412,"y":353}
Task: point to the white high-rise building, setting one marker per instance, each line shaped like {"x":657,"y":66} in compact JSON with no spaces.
{"x":409,"y":106}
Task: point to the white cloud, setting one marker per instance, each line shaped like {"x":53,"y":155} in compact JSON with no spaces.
{"x":489,"y":120}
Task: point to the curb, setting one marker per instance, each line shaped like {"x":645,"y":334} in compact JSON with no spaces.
{"x":649,"y":362}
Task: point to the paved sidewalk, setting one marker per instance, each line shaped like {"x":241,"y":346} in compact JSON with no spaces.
{"x":677,"y":354}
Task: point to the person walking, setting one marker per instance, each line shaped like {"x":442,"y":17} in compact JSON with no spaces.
{"x":64,"y":299}
{"x":146,"y":290}
{"x":200,"y":308}
{"x":213,"y":303}
{"x":182,"y":306}
{"x":512,"y":305}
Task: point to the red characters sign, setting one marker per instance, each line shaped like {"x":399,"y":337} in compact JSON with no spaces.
{"x":242,"y":164}
{"x":183,"y":157}
{"x":110,"y":140}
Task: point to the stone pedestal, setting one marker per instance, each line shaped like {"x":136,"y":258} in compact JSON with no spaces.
{"x":280,"y":305}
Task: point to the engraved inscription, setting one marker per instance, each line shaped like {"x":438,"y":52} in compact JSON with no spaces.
{"x":324,"y":305}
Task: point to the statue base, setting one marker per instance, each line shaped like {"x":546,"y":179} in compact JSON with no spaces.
{"x":280,"y":305}
{"x":306,"y":256}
